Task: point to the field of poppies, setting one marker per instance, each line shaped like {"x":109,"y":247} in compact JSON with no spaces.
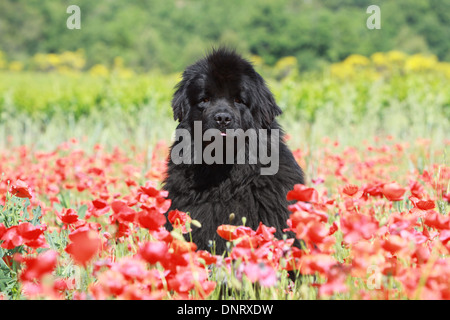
{"x":84,"y":218}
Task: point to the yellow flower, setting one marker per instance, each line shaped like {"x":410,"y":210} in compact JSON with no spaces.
{"x":379,"y":59}
{"x":99,"y":70}
{"x":257,"y":61}
{"x":73,"y":60}
{"x":286,"y":62}
{"x":444,"y":67}
{"x":126,"y":73}
{"x":53,"y":59}
{"x":15,"y":66}
{"x":342,"y":70}
{"x":396,"y":56}
{"x":357,"y":60}
{"x":286,"y":66}
{"x":420,"y":62}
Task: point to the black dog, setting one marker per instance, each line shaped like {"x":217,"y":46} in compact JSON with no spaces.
{"x":224,"y":92}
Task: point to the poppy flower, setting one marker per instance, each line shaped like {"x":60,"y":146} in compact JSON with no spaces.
{"x":436,"y":220}
{"x":84,"y":245}
{"x":303,"y":193}
{"x":393,"y":191}
{"x":99,"y":207}
{"x":67,"y":216}
{"x":356,"y":227}
{"x":260,"y":272}
{"x":151,"y":190}
{"x":152,"y":252}
{"x":266,"y":233}
{"x":226,"y":231}
{"x":322,"y":263}
{"x":11,"y":238}
{"x":2,"y":230}
{"x":122,"y":211}
{"x":352,"y":190}
{"x":33,"y":236}
{"x":422,"y":204}
{"x":151,"y":219}
{"x":333,"y":228}
{"x":394,"y":243}
{"x":111,"y":282}
{"x":335,"y":283}
{"x":36,"y":267}
{"x":231,"y":232}
{"x":207,"y":257}
{"x":416,"y":189}
{"x":21,"y":189}
{"x":179,"y":219}
{"x":188,"y":278}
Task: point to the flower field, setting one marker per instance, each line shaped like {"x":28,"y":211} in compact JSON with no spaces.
{"x":83,"y":217}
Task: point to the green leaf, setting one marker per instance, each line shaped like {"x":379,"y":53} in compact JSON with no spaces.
{"x":82,"y":211}
{"x":37,"y":213}
{"x":25,"y":209}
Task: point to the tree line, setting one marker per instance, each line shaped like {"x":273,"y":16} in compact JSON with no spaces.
{"x":168,"y":35}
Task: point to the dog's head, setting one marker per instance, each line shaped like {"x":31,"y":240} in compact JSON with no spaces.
{"x":223,"y":91}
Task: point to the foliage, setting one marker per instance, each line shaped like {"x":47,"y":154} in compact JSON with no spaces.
{"x":168,"y":35}
{"x":385,"y":92}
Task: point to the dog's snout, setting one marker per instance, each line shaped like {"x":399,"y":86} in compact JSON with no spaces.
{"x":223,"y":118}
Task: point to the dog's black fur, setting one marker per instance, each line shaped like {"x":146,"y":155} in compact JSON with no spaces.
{"x":225,"y":92}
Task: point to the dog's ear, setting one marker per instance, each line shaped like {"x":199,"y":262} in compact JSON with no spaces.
{"x":265,"y":104}
{"x":180,"y":102}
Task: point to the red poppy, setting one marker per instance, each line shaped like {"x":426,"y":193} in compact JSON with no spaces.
{"x":21,"y":189}
{"x":334,"y":227}
{"x":151,"y":190}
{"x":226,"y":231}
{"x":179,"y":219}
{"x":436,"y":220}
{"x":261,"y":272}
{"x":394,"y":243}
{"x":38,"y":266}
{"x":303,"y":193}
{"x":422,"y":204}
{"x":151,"y":219}
{"x":11,"y":238}
{"x":356,"y":227}
{"x":84,"y":245}
{"x":266,"y":233}
{"x":67,"y":216}
{"x":207,"y":257}
{"x":152,"y":252}
{"x":122,"y":211}
{"x":351,"y":190}
{"x":99,"y":207}
{"x":416,"y":189}
{"x":393,"y":191}
{"x":2,"y":230}
{"x":322,"y":263}
{"x":336,"y":282}
{"x":230,"y":232}
{"x":33,"y":236}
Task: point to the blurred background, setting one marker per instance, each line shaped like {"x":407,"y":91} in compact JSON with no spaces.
{"x":168,"y":35}
{"x":111,"y":81}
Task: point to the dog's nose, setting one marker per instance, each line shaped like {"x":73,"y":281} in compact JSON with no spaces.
{"x":222,"y":118}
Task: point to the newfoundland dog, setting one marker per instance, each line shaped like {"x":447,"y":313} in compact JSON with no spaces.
{"x":229,"y":163}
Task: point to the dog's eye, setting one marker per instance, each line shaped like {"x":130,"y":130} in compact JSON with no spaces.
{"x":205,"y":99}
{"x":237,"y":100}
